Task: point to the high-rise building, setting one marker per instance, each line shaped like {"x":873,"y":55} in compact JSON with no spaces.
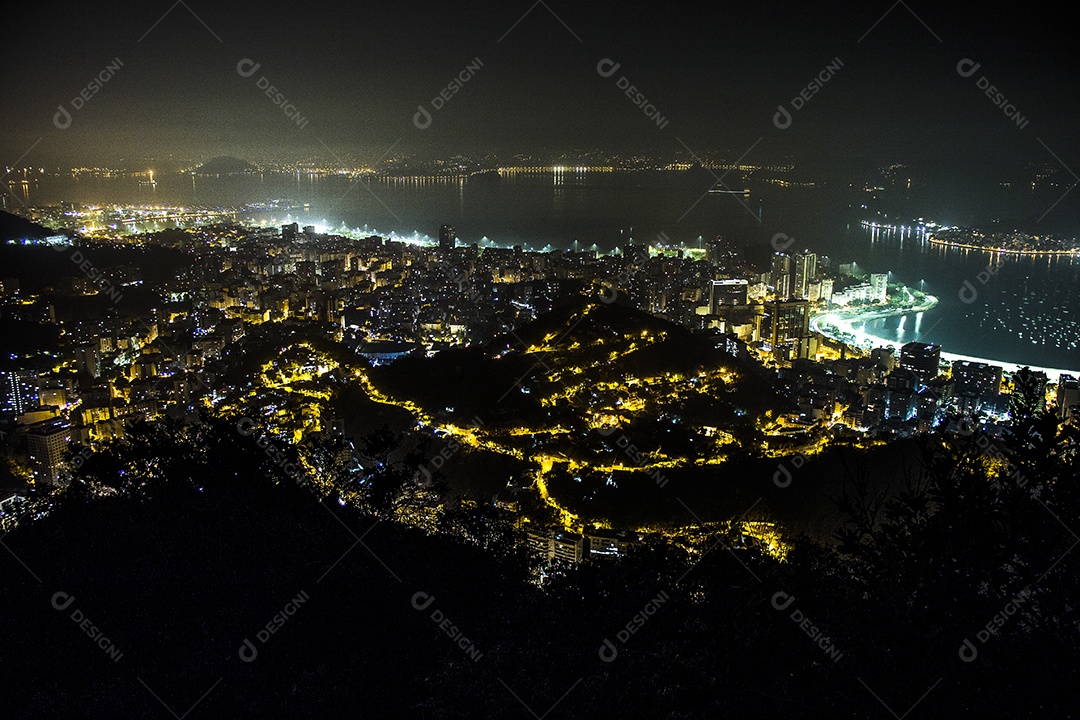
{"x":568,"y":547}
{"x":780,"y":276}
{"x":922,"y":359}
{"x":87,"y":359}
{"x":805,"y":271}
{"x":47,"y":442}
{"x":288,"y":232}
{"x":786,"y":325}
{"x":447,"y":238}
{"x":727,"y":292}
{"x":557,"y":545}
{"x":976,"y":386}
{"x":826,"y":290}
{"x":858,"y":293}
{"x":879,"y":284}
{"x":18,"y":392}
{"x":884,"y":358}
{"x":608,"y":543}
{"x":1068,"y":395}
{"x":55,"y":394}
{"x":757,"y":292}
{"x":720,"y":251}
{"x":975,"y":378}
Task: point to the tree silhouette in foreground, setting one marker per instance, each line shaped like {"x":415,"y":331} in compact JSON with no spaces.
{"x":181,"y":541}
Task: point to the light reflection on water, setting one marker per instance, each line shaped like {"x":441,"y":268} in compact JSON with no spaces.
{"x":1028,"y":310}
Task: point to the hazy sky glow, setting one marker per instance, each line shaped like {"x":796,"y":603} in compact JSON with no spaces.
{"x":356,"y":76}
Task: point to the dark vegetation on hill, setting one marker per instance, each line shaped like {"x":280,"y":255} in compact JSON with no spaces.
{"x":13,"y":227}
{"x":181,"y":541}
{"x":569,"y":352}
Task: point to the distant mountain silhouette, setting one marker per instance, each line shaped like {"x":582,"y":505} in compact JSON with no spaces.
{"x":225,"y":165}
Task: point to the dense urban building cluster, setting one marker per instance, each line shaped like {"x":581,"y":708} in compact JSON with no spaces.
{"x":241,"y":287}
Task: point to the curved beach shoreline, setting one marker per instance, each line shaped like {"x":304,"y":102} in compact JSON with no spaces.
{"x":838,"y":325}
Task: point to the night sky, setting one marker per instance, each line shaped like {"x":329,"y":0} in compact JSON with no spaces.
{"x":716,"y":72}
